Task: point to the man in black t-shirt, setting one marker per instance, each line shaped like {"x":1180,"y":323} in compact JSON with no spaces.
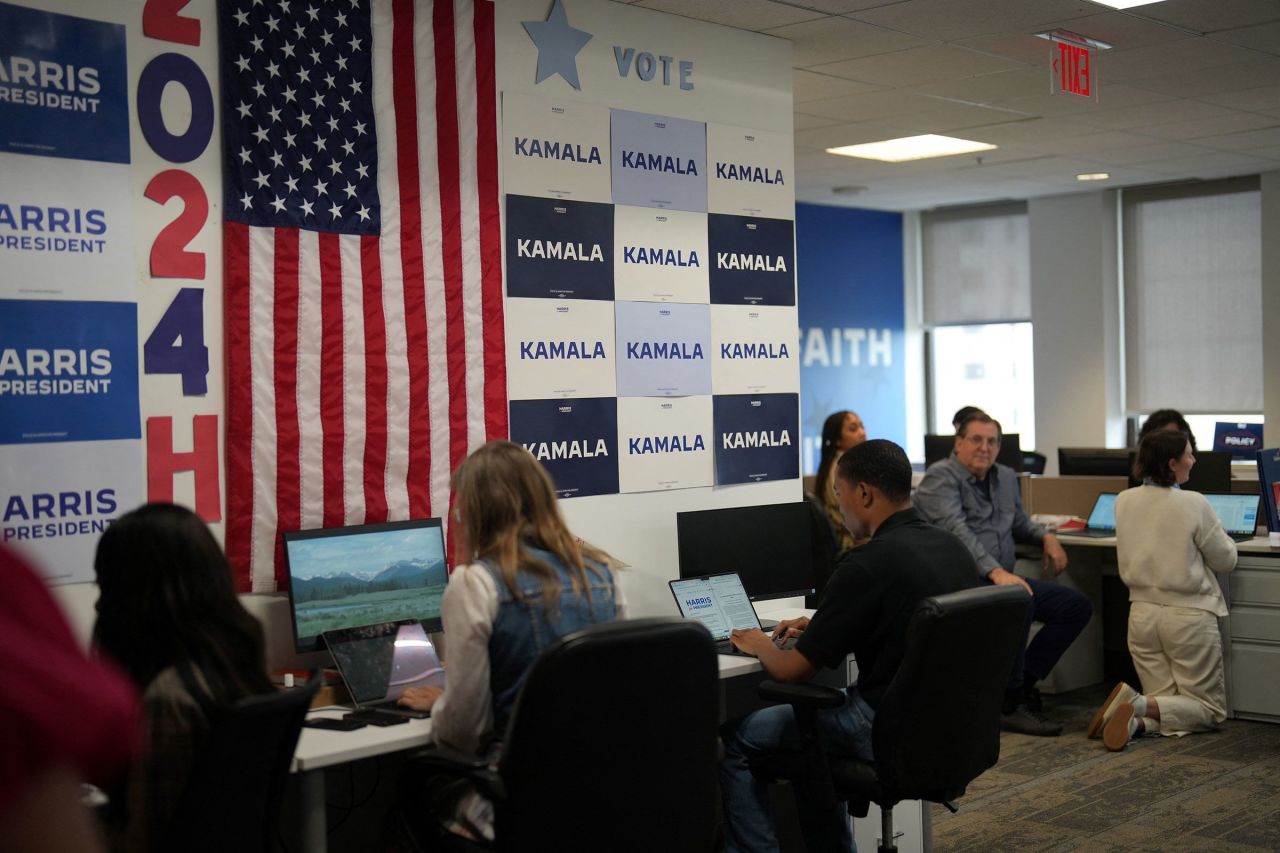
{"x":865,"y":611}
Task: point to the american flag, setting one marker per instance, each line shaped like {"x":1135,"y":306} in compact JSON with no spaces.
{"x":363,"y":282}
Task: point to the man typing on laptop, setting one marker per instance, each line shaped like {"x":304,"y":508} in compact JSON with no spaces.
{"x":865,"y":611}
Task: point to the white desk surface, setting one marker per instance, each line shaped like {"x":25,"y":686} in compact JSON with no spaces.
{"x":1256,"y":545}
{"x":319,"y":748}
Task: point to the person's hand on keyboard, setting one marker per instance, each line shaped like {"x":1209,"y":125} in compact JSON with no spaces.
{"x":420,"y":698}
{"x":788,"y":630}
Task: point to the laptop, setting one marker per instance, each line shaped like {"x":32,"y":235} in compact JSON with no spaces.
{"x":379,"y":662}
{"x":1102,"y":519}
{"x":1238,"y":514}
{"x":720,"y":603}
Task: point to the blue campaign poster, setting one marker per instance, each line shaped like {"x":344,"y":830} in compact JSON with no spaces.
{"x":63,"y":86}
{"x":559,"y":249}
{"x":1242,"y":441}
{"x":575,"y":440}
{"x":658,"y":161}
{"x":852,"y":322}
{"x":753,"y":260}
{"x":68,"y":371}
{"x":663,"y":349}
{"x":755,"y":437}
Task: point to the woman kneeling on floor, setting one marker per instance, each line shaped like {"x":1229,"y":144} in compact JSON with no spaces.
{"x":1169,"y":543}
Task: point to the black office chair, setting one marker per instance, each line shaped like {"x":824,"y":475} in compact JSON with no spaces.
{"x":823,"y":547}
{"x":612,"y":745}
{"x":232,"y":798}
{"x":937,"y":727}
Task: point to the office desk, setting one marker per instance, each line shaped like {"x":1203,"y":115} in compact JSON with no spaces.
{"x":321,"y":748}
{"x":1250,"y":631}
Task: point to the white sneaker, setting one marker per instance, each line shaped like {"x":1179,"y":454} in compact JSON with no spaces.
{"x":1120,"y":694}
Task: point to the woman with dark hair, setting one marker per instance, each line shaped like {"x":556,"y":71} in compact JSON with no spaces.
{"x":169,"y":616}
{"x":1169,"y":543}
{"x":840,"y":431}
{"x":1166,"y":419}
{"x":522,"y":582}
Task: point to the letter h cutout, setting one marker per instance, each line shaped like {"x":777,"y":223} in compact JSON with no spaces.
{"x":202,"y":459}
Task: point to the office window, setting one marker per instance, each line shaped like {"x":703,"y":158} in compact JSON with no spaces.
{"x":976,"y":301}
{"x":988,"y":366}
{"x":1193,"y":297}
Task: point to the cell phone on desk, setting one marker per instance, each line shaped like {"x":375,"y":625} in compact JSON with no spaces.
{"x":343,"y":724}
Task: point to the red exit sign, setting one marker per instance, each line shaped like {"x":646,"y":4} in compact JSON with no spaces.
{"x":1073,"y":69}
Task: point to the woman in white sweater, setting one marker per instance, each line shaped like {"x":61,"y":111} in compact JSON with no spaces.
{"x":1169,"y":543}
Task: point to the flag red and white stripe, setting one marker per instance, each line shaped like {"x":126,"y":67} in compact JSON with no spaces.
{"x":362,"y":368}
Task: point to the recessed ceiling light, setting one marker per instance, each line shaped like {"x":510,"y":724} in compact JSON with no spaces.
{"x":911,"y":148}
{"x":1093,"y":176}
{"x":1125,"y":4}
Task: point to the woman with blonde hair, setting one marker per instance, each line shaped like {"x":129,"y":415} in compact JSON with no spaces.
{"x":521,"y":582}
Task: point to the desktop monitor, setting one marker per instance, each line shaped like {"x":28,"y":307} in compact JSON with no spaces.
{"x":348,"y":577}
{"x":768,"y":546}
{"x":1211,"y":473}
{"x":938,"y":447}
{"x":1094,"y":462}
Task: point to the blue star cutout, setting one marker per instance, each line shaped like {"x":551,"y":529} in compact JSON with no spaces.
{"x":558,"y":45}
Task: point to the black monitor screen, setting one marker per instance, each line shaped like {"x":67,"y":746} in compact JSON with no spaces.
{"x":1211,"y":473}
{"x":348,"y":577}
{"x":1094,"y":462}
{"x":769,"y":546}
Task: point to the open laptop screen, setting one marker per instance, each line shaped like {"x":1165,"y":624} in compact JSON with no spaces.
{"x":379,"y":662}
{"x":719,"y":602}
{"x":1103,"y":516}
{"x":1238,"y":513}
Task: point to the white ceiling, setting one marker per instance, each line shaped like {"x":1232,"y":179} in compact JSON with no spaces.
{"x":1191,"y":90}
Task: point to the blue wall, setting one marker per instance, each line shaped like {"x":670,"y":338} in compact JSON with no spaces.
{"x":850,"y":299}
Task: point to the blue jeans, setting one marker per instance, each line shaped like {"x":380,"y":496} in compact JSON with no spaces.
{"x":1064,"y":612}
{"x":749,"y":823}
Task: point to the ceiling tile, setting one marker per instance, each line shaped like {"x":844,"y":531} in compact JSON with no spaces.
{"x":960,"y":19}
{"x":840,"y":7}
{"x":803,"y":121}
{"x":1263,"y":37}
{"x":809,"y":86}
{"x":1249,"y":140}
{"x":1207,"y":17}
{"x":743,"y":14}
{"x":1222,"y":78}
{"x":1202,"y":128}
{"x":1216,"y":165}
{"x":1160,"y":112}
{"x":918,"y":65}
{"x":1147,"y":153}
{"x":1256,"y":98}
{"x":988,"y":88}
{"x":1175,"y":60}
{"x":1121,"y":30}
{"x":836,"y":39}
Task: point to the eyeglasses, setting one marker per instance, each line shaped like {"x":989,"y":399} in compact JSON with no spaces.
{"x":981,"y":440}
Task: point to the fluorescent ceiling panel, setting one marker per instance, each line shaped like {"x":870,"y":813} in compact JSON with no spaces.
{"x":912,"y":148}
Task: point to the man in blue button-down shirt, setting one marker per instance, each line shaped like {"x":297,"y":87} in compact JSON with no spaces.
{"x":978,"y":500}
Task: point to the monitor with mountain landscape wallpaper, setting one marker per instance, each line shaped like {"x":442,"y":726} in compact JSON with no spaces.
{"x":346,"y":577}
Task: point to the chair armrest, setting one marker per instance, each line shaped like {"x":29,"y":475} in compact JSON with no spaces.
{"x":811,"y":695}
{"x":443,"y":761}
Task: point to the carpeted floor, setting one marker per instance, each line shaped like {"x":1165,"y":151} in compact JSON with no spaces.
{"x":1207,"y":792}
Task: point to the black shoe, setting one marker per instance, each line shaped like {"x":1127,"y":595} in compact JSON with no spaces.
{"x":1032,"y":697}
{"x":1022,"y":721}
